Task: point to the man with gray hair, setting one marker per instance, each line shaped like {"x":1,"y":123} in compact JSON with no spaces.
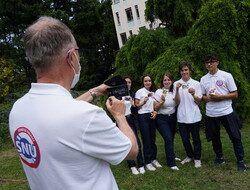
{"x":66,"y":143}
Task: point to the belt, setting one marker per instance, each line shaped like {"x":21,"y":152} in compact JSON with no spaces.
{"x":167,"y":114}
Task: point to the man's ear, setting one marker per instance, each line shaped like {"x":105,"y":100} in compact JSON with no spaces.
{"x":69,"y":58}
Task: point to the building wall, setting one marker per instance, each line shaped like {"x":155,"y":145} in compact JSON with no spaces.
{"x":127,"y":27}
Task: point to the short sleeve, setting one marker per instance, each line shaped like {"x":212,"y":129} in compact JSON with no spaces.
{"x":203,"y":90}
{"x":231,"y":83}
{"x":103,"y":139}
{"x":137,"y":95}
{"x":198,"y":90}
{"x":158,"y":95}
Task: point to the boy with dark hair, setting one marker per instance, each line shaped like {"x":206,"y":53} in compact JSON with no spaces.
{"x":187,"y":94}
{"x":218,"y":89}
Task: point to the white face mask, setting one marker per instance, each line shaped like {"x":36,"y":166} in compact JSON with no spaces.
{"x":77,"y":75}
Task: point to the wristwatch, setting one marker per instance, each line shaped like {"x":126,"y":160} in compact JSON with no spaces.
{"x":92,"y":93}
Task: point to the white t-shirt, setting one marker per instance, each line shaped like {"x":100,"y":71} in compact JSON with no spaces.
{"x":220,"y":83}
{"x":169,"y":105}
{"x":65,"y":143}
{"x":188,"y":111}
{"x":127,"y":104}
{"x":149,"y":106}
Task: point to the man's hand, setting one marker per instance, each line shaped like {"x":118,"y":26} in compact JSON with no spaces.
{"x":191,"y":91}
{"x":115,"y":107}
{"x":215,"y":97}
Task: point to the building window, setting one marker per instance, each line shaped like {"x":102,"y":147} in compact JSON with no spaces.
{"x":137,"y":11}
{"x":130,"y":32}
{"x":118,"y":18}
{"x":129,"y":14}
{"x":116,"y":1}
{"x":123,"y":37}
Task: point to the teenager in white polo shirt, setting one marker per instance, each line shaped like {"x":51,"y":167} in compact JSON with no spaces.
{"x":144,"y":100}
{"x":188,"y":95}
{"x":66,"y":143}
{"x":166,"y":117}
{"x":218,"y":89}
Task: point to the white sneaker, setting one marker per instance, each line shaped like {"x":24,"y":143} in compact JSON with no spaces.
{"x":141,"y":170}
{"x":177,"y":159}
{"x":197,"y":163}
{"x":134,"y":170}
{"x":175,"y":168}
{"x":150,"y":167}
{"x":156,"y":164}
{"x":186,"y":160}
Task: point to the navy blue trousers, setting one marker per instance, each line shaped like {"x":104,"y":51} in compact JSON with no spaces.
{"x":148,"y":133}
{"x":132,"y":122}
{"x":185,"y":131}
{"x":166,"y":125}
{"x":232,"y":125}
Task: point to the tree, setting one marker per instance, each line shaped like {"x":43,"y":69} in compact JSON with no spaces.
{"x":176,"y":15}
{"x":6,"y":76}
{"x":90,"y":20}
{"x":140,"y":50}
{"x":95,"y":33}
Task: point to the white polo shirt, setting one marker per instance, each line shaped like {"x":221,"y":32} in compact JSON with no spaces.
{"x":223,"y":83}
{"x":188,"y":111}
{"x":65,"y":143}
{"x":149,"y":106}
{"x":169,"y":105}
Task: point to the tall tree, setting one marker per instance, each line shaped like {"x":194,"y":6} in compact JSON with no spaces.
{"x":176,"y":15}
{"x":90,"y":20}
{"x":95,"y":32}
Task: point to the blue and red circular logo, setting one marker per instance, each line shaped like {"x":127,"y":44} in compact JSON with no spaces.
{"x":27,"y":147}
{"x":219,"y":82}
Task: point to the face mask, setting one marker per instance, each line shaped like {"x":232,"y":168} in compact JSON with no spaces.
{"x":76,"y":76}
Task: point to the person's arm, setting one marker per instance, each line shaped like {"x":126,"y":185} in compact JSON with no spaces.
{"x":196,"y":98}
{"x":138,"y":104}
{"x":117,"y":109}
{"x":93,"y":93}
{"x":158,"y":105}
{"x":177,"y":95}
{"x":220,"y":97}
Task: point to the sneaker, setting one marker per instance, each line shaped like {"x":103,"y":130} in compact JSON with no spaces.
{"x":134,"y":170}
{"x":241,"y":165}
{"x":174,"y":168}
{"x":141,"y":170}
{"x":150,"y":167}
{"x":197,"y":163}
{"x":156,"y":164}
{"x":186,"y":160}
{"x":177,"y":159}
{"x":219,"y":161}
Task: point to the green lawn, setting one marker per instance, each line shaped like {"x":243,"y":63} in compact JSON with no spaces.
{"x":208,"y":176}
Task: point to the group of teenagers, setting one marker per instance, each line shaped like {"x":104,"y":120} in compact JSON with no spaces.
{"x":178,"y":102}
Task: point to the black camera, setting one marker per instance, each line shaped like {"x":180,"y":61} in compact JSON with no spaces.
{"x":119,"y":87}
{"x":118,"y":91}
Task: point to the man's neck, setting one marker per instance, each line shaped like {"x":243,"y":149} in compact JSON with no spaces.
{"x":212,"y":72}
{"x":186,"y":79}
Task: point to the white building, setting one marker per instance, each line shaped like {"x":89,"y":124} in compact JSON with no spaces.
{"x":129,"y":18}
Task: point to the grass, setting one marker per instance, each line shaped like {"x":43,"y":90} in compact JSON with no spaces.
{"x":208,"y":177}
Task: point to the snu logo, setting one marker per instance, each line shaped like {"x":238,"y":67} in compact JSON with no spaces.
{"x":27,"y":147}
